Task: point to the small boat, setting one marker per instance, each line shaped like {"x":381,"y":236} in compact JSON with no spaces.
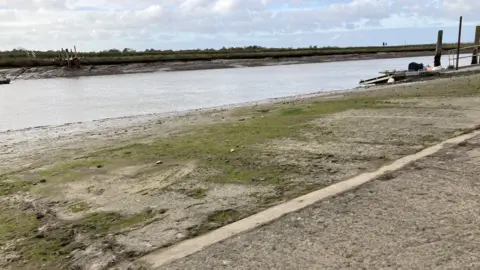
{"x":389,"y":76}
{"x":377,"y":80}
{"x":414,"y":70}
{"x":4,"y":81}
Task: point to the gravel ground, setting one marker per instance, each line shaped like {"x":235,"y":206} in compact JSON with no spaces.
{"x":424,"y":216}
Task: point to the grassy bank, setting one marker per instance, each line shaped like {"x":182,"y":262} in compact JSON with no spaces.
{"x":19,"y":59}
{"x":236,"y":152}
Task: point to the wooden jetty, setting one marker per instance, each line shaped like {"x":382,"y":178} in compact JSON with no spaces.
{"x":418,"y":71}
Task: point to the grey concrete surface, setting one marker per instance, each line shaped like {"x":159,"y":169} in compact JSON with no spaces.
{"x":425,"y":216}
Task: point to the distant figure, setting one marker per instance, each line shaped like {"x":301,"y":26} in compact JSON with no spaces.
{"x":383,"y":44}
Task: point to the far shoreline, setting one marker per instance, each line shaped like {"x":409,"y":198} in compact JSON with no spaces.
{"x":29,"y":73}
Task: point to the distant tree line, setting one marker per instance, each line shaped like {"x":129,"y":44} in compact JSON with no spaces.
{"x":19,"y":52}
{"x":24,"y":57}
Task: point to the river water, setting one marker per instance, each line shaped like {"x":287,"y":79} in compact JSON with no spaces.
{"x":32,"y":103}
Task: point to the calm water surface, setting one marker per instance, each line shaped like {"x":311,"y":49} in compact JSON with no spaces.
{"x":58,"y":101}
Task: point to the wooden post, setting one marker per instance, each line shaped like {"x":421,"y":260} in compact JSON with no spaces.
{"x":74,"y":57}
{"x":438,"y":51}
{"x":475,"y":44}
{"x":68,"y":59}
{"x":459,"y":40}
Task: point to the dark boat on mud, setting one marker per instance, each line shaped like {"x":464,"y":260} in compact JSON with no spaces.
{"x":4,"y":81}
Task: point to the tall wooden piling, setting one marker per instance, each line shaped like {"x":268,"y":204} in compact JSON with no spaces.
{"x":475,"y":46}
{"x":438,"y":50}
{"x":459,"y":40}
{"x":68,"y":59}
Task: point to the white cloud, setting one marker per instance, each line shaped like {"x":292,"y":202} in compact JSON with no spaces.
{"x":100,"y":24}
{"x":225,"y":6}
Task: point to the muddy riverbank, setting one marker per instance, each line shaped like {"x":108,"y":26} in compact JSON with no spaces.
{"x":56,"y":72}
{"x":93,"y":194}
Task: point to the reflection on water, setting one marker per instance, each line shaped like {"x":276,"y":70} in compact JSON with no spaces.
{"x":57,"y":101}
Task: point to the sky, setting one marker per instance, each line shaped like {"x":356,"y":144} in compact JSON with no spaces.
{"x":94,"y":25}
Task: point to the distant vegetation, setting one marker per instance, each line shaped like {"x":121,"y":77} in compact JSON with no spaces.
{"x":23,"y":58}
